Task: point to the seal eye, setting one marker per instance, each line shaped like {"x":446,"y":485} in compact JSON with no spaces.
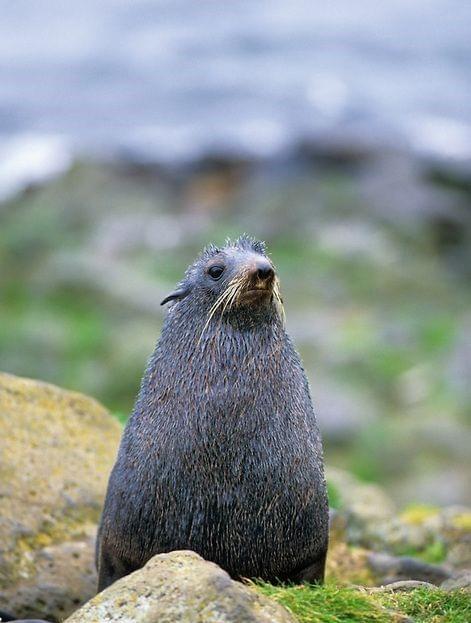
{"x":215,"y":271}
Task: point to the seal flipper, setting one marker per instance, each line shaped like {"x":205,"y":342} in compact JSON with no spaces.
{"x":176,"y":295}
{"x":314,"y":573}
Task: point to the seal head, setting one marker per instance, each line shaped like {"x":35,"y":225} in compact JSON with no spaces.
{"x":237,"y":275}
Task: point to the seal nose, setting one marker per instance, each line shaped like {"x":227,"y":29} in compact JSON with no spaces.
{"x":264,"y":270}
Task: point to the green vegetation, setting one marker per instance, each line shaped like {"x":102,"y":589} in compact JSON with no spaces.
{"x":327,"y":604}
{"x":333,"y":604}
{"x":373,"y":308}
{"x":335,"y":499}
{"x":435,"y":552}
{"x":425,"y":605}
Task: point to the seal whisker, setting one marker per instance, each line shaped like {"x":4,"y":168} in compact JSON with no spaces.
{"x":232,"y":287}
{"x":237,"y":287}
{"x":278,"y":299}
{"x":225,"y":295}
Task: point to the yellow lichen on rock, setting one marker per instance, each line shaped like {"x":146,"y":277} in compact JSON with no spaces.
{"x":462,"y":521}
{"x":417,"y":514}
{"x":56,"y":452}
{"x":348,"y":565}
{"x":180,"y":586}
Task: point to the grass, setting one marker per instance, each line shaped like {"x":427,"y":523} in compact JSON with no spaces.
{"x":425,"y":605}
{"x":334,"y":604}
{"x":327,"y":604}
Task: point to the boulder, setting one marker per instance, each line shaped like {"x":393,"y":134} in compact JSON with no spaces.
{"x":56,"y":451}
{"x":365,"y":507}
{"x":388,"y":569}
{"x":180,"y":586}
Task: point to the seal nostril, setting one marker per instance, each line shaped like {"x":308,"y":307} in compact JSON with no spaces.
{"x":265,"y":272}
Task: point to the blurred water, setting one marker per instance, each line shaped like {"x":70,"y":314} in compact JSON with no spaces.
{"x":172,"y":79}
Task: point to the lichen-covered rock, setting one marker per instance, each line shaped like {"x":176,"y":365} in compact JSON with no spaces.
{"x":366,"y":519}
{"x":455,"y":530}
{"x":349,"y":565}
{"x":373,"y":544}
{"x":56,"y":451}
{"x":180,"y":587}
{"x":364,"y":508}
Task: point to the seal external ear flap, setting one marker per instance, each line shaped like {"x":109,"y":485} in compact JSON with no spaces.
{"x":176,"y":294}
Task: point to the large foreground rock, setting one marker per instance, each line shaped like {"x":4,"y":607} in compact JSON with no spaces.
{"x":56,"y":452}
{"x":180,"y":587}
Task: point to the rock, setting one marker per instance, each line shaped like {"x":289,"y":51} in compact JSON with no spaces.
{"x":455,"y":529}
{"x":461,"y":582}
{"x":180,"y":586}
{"x":366,"y":517}
{"x":390,"y":569}
{"x":401,"y":585}
{"x":439,"y":535}
{"x":348,"y":565}
{"x":56,"y":451}
{"x":371,"y":544}
{"x":365,"y":506}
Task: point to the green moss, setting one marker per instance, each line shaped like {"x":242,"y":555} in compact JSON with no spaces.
{"x":327,"y":604}
{"x":435,"y":552}
{"x":335,"y":499}
{"x":332,"y":604}
{"x":426,"y":605}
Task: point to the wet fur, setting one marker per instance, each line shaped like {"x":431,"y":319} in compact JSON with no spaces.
{"x":222,"y":454}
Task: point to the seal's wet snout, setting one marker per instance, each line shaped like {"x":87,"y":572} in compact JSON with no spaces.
{"x":262,"y":273}
{"x":259,"y":277}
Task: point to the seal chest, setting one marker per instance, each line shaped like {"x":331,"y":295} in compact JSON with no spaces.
{"x":222,"y":454}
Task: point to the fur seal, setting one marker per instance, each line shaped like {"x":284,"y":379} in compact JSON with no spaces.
{"x":222,"y":454}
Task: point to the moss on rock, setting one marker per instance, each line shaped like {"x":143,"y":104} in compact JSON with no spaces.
{"x":56,"y":451}
{"x":334,"y":604}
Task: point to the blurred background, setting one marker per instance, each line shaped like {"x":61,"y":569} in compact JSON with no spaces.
{"x":133,"y":133}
